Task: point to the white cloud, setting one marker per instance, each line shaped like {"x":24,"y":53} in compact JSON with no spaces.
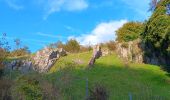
{"x":12,"y":4}
{"x":52,"y":6}
{"x":103,"y":32}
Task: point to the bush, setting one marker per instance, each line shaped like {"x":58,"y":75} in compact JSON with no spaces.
{"x":5,"y":89}
{"x":129,"y":31}
{"x":20,"y":52}
{"x":4,"y":49}
{"x":72,"y":46}
{"x":27,"y":88}
{"x":98,"y":93}
{"x":125,"y":45}
{"x":111,"y":45}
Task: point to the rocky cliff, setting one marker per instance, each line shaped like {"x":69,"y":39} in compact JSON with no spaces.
{"x":42,"y":61}
{"x":130,"y":51}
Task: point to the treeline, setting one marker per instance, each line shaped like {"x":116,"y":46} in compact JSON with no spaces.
{"x":6,"y":51}
{"x":72,"y":46}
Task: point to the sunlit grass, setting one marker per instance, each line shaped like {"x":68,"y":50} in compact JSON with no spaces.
{"x":144,"y":82}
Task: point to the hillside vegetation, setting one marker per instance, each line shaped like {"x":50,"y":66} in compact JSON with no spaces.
{"x":156,"y":35}
{"x":144,"y":82}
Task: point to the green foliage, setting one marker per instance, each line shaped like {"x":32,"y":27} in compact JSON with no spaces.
{"x":145,"y":82}
{"x":27,"y":88}
{"x":125,"y":44}
{"x":129,"y":31}
{"x":20,"y":52}
{"x":4,"y":50}
{"x":156,"y":35}
{"x":72,"y":46}
{"x":111,"y":45}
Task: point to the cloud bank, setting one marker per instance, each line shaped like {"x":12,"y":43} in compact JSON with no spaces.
{"x":103,"y":32}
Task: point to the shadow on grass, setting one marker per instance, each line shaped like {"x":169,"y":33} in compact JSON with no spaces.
{"x":119,"y":81}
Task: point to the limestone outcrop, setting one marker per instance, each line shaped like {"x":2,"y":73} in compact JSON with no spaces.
{"x":97,"y":53}
{"x":46,"y":58}
{"x":130,"y":51}
{"x":41,"y":62}
{"x":21,"y":65}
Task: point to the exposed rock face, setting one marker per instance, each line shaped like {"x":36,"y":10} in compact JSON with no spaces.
{"x":130,"y":51}
{"x":97,"y":53}
{"x":45,"y":59}
{"x":41,"y":62}
{"x":105,"y":51}
{"x":133,"y":51}
{"x":22,"y":65}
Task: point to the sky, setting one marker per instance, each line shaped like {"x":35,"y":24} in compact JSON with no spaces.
{"x":38,"y":23}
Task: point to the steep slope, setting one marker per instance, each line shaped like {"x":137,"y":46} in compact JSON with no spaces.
{"x":145,"y":82}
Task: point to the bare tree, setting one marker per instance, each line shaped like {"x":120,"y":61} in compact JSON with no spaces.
{"x":17,"y":43}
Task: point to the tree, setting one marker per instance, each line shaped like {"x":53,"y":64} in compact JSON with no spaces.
{"x":153,"y":5}
{"x":17,"y":43}
{"x":19,"y":50}
{"x":156,"y":35}
{"x":72,"y":46}
{"x":129,"y":31}
{"x":4,"y":49}
{"x":60,"y":45}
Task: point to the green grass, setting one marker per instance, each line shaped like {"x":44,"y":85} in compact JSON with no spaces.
{"x":144,"y":82}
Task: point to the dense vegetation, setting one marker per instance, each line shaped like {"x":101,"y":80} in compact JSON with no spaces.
{"x":110,"y":78}
{"x":71,"y":46}
{"x":68,"y":80}
{"x":156,"y":35}
{"x":4,"y":50}
{"x":129,"y":31}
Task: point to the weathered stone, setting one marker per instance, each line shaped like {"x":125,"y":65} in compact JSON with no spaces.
{"x":45,"y":59}
{"x":41,"y":62}
{"x":97,"y":53}
{"x":131,"y":52}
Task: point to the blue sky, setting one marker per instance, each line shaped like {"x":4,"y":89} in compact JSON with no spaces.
{"x":40,"y":22}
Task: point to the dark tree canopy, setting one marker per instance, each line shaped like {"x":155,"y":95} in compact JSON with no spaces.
{"x":156,"y":35}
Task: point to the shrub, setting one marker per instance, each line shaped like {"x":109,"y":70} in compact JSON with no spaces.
{"x":129,"y":31}
{"x":111,"y":45}
{"x":125,"y":45}
{"x":98,"y":93}
{"x":27,"y":88}
{"x":4,"y":49}
{"x":72,"y":46}
{"x":5,"y":89}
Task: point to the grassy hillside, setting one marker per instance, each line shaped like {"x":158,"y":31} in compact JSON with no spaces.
{"x":144,"y":82}
{"x":69,"y":78}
